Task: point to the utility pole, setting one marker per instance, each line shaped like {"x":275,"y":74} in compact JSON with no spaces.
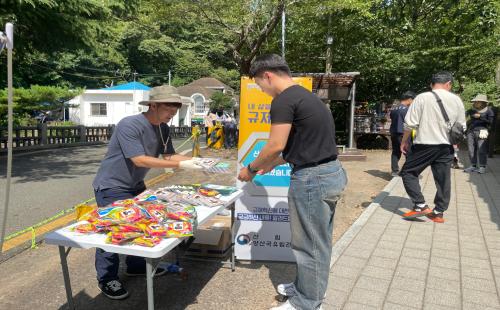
{"x":169,"y":77}
{"x":8,"y":39}
{"x":135,"y":74}
{"x":329,"y":41}
{"x":283,"y":30}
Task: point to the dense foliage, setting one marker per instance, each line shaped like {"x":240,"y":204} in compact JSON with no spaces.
{"x":396,"y":45}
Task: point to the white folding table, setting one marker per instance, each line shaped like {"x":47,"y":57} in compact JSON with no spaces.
{"x":65,"y":238}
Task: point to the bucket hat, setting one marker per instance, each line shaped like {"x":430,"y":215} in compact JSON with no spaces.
{"x":163,"y":94}
{"x":480,"y":98}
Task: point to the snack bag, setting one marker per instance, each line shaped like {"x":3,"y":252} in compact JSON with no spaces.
{"x":148,"y":241}
{"x":154,"y":229}
{"x":129,"y":215}
{"x":85,"y":228}
{"x":178,"y":229}
{"x":121,"y":237}
{"x":157,"y":213}
{"x":124,"y":203}
{"x":147,"y":195}
{"x":222,"y":189}
{"x":86,"y":212}
{"x":123,"y":227}
{"x":108,"y":212}
{"x":181,"y":212}
{"x":208,"y":192}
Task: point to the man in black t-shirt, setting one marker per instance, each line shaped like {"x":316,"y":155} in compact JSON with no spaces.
{"x":302,"y":134}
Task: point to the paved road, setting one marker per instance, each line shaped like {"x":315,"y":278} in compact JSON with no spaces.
{"x":46,"y":182}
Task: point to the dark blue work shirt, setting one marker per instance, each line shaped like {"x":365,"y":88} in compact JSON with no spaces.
{"x":483,"y":122}
{"x":398,"y":118}
{"x":133,"y":136}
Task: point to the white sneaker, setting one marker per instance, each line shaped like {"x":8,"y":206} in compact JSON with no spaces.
{"x":470,"y":169}
{"x":284,"y":306}
{"x":482,"y":170}
{"x":286,"y":289}
{"x":288,"y":306}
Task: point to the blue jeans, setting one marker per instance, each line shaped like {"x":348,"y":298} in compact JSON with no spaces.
{"x":312,"y":199}
{"x":106,"y":263}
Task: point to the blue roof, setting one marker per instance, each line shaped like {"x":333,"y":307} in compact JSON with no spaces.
{"x":128,"y":86}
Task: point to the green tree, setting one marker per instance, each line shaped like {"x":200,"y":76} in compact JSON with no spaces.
{"x":29,"y":101}
{"x":221,"y":102}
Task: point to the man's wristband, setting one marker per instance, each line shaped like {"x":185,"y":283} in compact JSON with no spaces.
{"x":253,"y":171}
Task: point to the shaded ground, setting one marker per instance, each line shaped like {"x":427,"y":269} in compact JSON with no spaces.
{"x":209,"y":286}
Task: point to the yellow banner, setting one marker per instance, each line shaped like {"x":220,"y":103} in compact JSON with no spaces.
{"x":255,"y":106}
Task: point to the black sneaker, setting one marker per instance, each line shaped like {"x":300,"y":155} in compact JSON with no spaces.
{"x":159,"y":272}
{"x":113,"y":289}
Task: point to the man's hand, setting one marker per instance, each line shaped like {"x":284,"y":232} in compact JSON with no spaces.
{"x":245,"y":175}
{"x":190,"y":164}
{"x":404,"y":147}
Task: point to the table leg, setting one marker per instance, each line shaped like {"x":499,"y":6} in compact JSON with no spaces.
{"x":149,"y":283}
{"x":67,"y":284}
{"x":233,"y":260}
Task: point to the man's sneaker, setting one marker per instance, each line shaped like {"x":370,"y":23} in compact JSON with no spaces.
{"x":159,"y":272}
{"x":285,"y":306}
{"x":436,"y":217}
{"x":454,"y":164}
{"x":286,"y":289}
{"x":417,"y":212}
{"x":482,"y":170}
{"x":113,"y":289}
{"x":470,"y":169}
{"x":395,"y":174}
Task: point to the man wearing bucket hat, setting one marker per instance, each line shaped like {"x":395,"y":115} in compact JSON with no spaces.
{"x":480,"y":120}
{"x":134,"y":148}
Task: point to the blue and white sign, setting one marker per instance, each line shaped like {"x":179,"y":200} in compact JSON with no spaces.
{"x":279,"y":176}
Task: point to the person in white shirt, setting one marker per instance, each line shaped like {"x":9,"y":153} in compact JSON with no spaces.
{"x":431,"y":146}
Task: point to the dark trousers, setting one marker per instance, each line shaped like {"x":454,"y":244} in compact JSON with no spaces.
{"x":229,"y":136}
{"x":478,"y":149}
{"x":439,"y":157}
{"x":396,"y":151}
{"x":106,"y":264}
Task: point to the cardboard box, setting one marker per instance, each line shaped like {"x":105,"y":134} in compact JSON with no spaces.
{"x":213,"y":238}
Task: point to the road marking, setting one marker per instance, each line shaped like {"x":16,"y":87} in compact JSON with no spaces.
{"x":62,"y":221}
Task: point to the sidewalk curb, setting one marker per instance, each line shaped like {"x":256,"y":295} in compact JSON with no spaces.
{"x":339,"y":246}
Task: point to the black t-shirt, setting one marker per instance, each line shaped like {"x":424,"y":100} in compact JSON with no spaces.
{"x":312,"y":137}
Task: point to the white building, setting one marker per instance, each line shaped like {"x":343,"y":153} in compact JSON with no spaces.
{"x":200,"y":92}
{"x":107,"y":106}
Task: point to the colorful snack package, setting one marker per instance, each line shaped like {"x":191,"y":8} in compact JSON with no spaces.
{"x":157,"y":213}
{"x":148,"y":241}
{"x":181,"y":212}
{"x":177,"y":229}
{"x":108,"y":212}
{"x":86,"y":212}
{"x":85,"y":228}
{"x":124,"y":227}
{"x":147,"y":195}
{"x":124,"y":203}
{"x":208,"y":192}
{"x":154,"y":229}
{"x":222,"y":189}
{"x":121,"y":237}
{"x":129,"y":215}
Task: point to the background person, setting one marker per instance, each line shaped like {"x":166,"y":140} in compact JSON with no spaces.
{"x":480,"y":121}
{"x":397,"y":116}
{"x":431,"y":146}
{"x":133,"y":149}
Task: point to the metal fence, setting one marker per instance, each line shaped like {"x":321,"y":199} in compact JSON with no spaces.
{"x":25,"y":137}
{"x":28,"y":137}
